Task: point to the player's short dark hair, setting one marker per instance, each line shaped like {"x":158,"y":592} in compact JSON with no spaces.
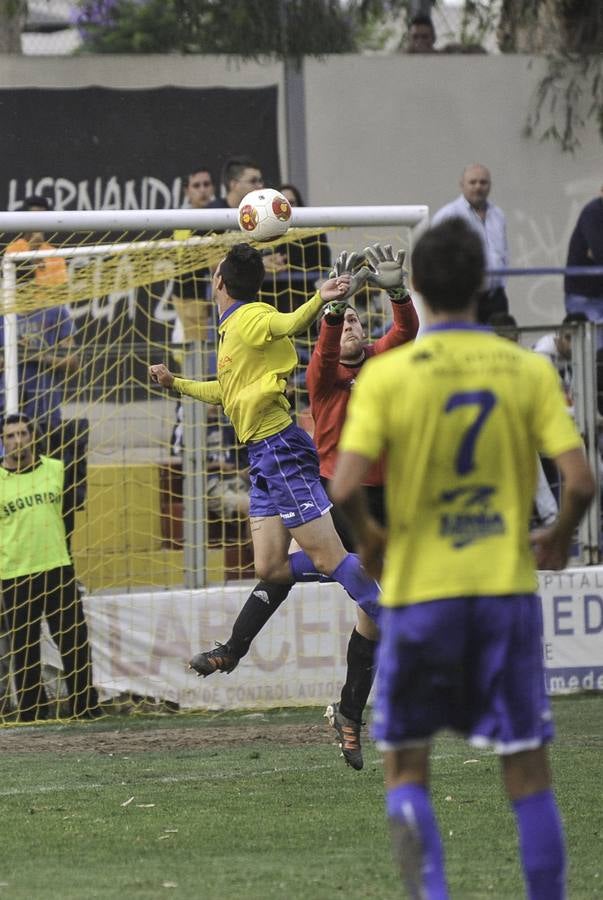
{"x":242,"y":271}
{"x":422,"y":19}
{"x":234,"y":167}
{"x":448,"y":266}
{"x":13,"y":418}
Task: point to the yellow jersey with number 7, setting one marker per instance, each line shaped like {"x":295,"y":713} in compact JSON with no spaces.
{"x":460,"y":415}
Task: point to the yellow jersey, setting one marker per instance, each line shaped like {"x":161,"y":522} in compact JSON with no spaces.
{"x":460,"y":415}
{"x":255,"y":357}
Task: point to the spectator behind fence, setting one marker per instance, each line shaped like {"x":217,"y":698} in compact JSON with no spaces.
{"x":557,"y":346}
{"x":48,"y":355}
{"x":584,"y":293}
{"x":240,"y":174}
{"x":47,"y":350}
{"x":190,"y":295}
{"x":421,"y":36}
{"x":308,"y":254}
{"x":490,"y":223}
{"x":545,"y":507}
{"x":37,"y":576}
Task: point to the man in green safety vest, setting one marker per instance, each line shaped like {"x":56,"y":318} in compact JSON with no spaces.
{"x":37,"y":578}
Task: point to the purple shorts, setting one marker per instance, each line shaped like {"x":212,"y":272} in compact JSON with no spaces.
{"x":285,"y":478}
{"x":472,"y":664}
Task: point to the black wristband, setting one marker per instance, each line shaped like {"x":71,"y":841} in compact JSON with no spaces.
{"x":333,"y":320}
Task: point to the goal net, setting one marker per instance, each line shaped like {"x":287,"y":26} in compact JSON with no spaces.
{"x":155,"y":490}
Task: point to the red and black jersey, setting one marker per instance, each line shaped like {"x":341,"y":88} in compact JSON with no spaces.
{"x":330,"y":381}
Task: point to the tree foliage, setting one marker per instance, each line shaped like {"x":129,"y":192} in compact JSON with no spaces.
{"x":252,"y":29}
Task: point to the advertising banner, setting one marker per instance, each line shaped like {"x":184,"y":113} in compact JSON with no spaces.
{"x":142,"y":642}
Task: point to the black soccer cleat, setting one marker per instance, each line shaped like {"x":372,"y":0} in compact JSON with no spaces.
{"x":348,"y":733}
{"x":221,"y":659}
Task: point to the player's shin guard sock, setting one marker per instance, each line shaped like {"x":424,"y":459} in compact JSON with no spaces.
{"x":350,"y":574}
{"x":541,"y":845}
{"x":416,"y":842}
{"x":303,"y":569}
{"x":359,"y":676}
{"x":262,"y":603}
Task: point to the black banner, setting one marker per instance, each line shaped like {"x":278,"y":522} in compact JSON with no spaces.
{"x":101,"y":148}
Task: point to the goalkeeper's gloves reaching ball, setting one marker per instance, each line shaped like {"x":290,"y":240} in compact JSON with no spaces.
{"x":386,"y":270}
{"x":344,"y":265}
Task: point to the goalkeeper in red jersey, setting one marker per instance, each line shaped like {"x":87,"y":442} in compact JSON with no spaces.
{"x":339,"y":354}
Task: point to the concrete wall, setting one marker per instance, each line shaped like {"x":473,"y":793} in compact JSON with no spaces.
{"x":399,"y":129}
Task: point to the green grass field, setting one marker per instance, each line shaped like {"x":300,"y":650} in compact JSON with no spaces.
{"x":263,"y":808}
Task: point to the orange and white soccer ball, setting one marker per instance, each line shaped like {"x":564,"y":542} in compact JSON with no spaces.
{"x":264,"y":214}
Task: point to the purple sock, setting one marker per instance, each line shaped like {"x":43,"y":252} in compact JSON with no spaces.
{"x":303,"y":569}
{"x":351,"y":575}
{"x":416,"y":841}
{"x":541,"y":845}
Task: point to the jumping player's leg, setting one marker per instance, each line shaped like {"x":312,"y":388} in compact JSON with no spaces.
{"x":360,"y":667}
{"x":287,"y":498}
{"x":345,"y":716}
{"x":270,"y":538}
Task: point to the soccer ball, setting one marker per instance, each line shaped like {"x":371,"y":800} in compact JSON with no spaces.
{"x":264,"y":214}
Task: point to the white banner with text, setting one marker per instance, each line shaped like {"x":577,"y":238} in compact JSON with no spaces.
{"x":141,"y":643}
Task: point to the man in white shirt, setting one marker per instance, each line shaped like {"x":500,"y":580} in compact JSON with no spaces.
{"x":490,"y":223}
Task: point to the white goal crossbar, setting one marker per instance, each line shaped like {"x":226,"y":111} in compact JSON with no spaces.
{"x":207,"y":219}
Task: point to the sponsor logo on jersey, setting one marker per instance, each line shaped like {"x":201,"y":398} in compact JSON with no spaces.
{"x":474,"y":520}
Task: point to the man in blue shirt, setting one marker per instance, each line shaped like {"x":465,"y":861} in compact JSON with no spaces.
{"x":47,"y":355}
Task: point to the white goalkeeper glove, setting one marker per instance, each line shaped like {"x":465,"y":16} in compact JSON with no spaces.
{"x":386,"y":270}
{"x":344,"y":265}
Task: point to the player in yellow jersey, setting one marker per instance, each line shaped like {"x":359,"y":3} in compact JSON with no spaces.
{"x":460,"y":416}
{"x":255,"y":357}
